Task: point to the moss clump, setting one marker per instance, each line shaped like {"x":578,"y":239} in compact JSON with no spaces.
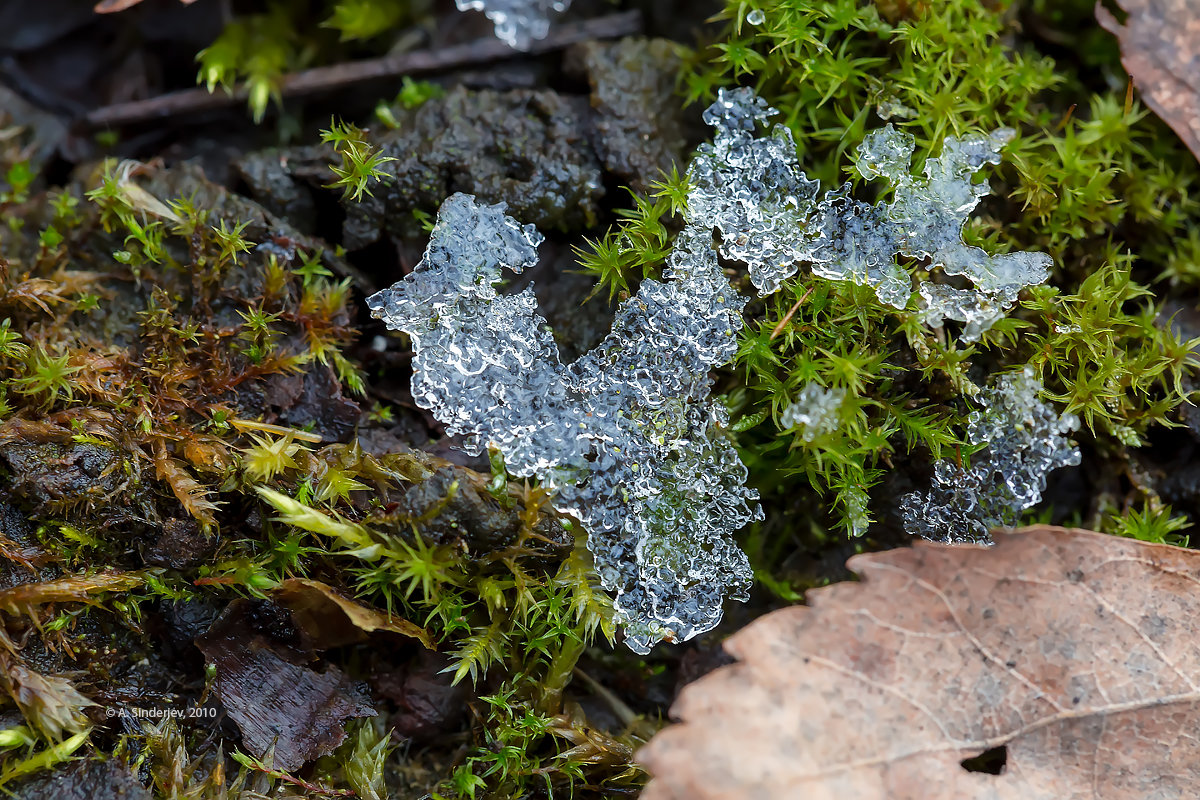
{"x":177,"y":408}
{"x":1089,"y":178}
{"x":259,"y":49}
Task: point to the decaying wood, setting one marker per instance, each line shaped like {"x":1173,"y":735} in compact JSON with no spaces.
{"x":285,"y":709}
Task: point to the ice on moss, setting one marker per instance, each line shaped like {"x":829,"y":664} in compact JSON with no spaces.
{"x":891,"y":107}
{"x":625,"y":435}
{"x":854,"y":503}
{"x":750,"y":188}
{"x":1026,"y":440}
{"x":518,"y":22}
{"x":977,"y":310}
{"x":815,"y":412}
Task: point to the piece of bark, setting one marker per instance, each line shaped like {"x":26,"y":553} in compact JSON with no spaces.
{"x":1160,"y":48}
{"x":276,"y":702}
{"x":1071,"y":659}
{"x":428,"y":703}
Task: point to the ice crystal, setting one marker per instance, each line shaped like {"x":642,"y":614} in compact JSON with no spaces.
{"x":773,"y":218}
{"x":890,"y":107}
{"x":854,"y":502}
{"x":1026,"y":440}
{"x":517,"y":22}
{"x":815,"y":412}
{"x":625,"y":435}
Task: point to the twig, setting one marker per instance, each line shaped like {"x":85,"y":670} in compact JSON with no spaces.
{"x":615,"y":704}
{"x":788,"y":317}
{"x":338,"y":76}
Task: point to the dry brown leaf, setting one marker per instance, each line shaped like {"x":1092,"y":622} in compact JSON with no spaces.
{"x":1160,"y":47}
{"x":332,"y":620}
{"x":1075,"y":651}
{"x":113,"y":6}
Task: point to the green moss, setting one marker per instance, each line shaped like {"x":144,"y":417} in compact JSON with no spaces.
{"x":1153,"y":522}
{"x":1089,"y":178}
{"x":206,"y":317}
{"x":259,"y":49}
{"x":500,"y":612}
{"x":361,"y":162}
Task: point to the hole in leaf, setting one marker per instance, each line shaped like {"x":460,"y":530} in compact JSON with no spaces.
{"x":990,"y":761}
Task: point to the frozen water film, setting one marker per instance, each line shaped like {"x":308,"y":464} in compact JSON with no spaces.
{"x":518,"y":22}
{"x":626,"y":435}
{"x":815,"y":411}
{"x":1026,"y":440}
{"x":774,"y":219}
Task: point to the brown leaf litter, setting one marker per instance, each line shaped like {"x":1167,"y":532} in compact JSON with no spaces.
{"x":1071,"y":658}
{"x":332,"y":620}
{"x":1160,"y":48}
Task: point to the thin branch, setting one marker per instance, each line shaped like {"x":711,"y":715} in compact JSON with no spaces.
{"x":338,"y":76}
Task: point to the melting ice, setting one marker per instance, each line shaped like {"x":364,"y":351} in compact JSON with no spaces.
{"x":627,"y":435}
{"x":518,"y":22}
